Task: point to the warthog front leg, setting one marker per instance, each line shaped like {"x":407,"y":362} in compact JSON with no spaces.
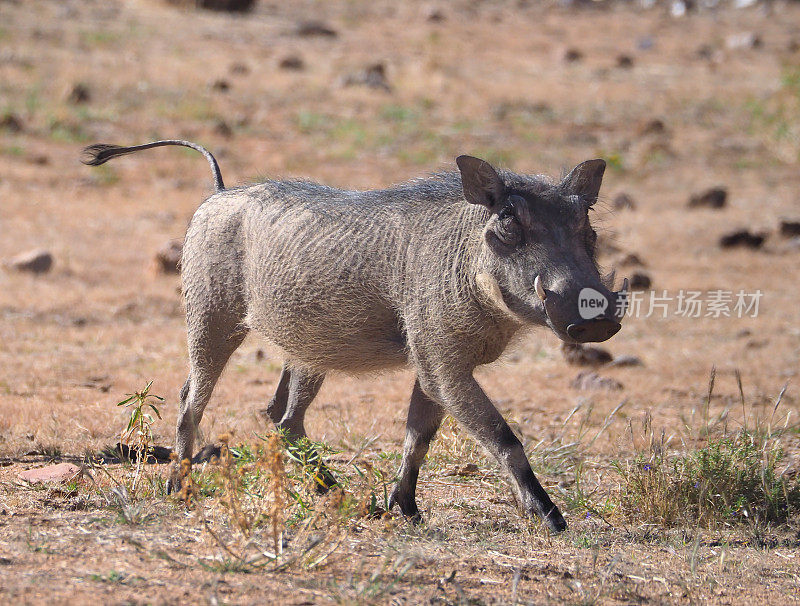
{"x":464,"y":399}
{"x":424,"y":418}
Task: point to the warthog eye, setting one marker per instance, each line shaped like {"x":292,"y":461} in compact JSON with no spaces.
{"x":509,"y":230}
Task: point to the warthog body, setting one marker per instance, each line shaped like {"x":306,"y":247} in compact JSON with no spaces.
{"x":439,"y":273}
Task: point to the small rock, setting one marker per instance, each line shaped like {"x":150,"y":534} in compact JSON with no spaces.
{"x":233,"y":6}
{"x":434,"y":14}
{"x":79,"y":94}
{"x":52,"y":473}
{"x":743,"y":40}
{"x":221,"y":86}
{"x":630,"y":260}
{"x":208,"y":452}
{"x":374,"y":76}
{"x":581,"y":355}
{"x":624,"y":61}
{"x":169,"y":257}
{"x":308,"y":29}
{"x":292,"y":62}
{"x":645,"y":43}
{"x":572,"y":55}
{"x":239,"y":69}
{"x":223,"y":129}
{"x":11,"y":123}
{"x":742,"y":238}
{"x":623,"y":201}
{"x":588,"y":380}
{"x":654,"y":126}
{"x":715,"y":197}
{"x":625,"y":361}
{"x":35,"y":261}
{"x":640,"y":281}
{"x":789,"y":228}
{"x":706,"y":51}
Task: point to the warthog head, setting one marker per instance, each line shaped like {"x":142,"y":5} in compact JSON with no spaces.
{"x":538,"y":250}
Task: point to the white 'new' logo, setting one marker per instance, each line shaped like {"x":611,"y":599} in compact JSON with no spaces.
{"x":591,"y":303}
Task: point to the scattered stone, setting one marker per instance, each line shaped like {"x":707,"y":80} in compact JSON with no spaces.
{"x":745,"y":332}
{"x":654,"y":126}
{"x":61,"y":472}
{"x":79,"y":94}
{"x":223,"y":129}
{"x":707,"y":52}
{"x":292,"y":62}
{"x":572,"y":55}
{"x":743,"y":40}
{"x":155,"y":454}
{"x":640,"y":281}
{"x":624,"y":61}
{"x":168,"y":259}
{"x":221,"y":86}
{"x":581,"y":355}
{"x":742,"y":238}
{"x":626,"y":361}
{"x":793,"y":46}
{"x":373,"y":76}
{"x":232,"y":6}
{"x":623,"y":201}
{"x":645,"y":43}
{"x":789,"y":228}
{"x":630,"y":260}
{"x":309,"y":29}
{"x":208,"y":452}
{"x":36,"y":261}
{"x":239,"y":69}
{"x":11,"y":123}
{"x":715,"y":197}
{"x":588,"y":380}
{"x":434,"y":14}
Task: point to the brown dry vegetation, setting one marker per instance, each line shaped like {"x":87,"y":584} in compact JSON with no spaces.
{"x":489,"y":79}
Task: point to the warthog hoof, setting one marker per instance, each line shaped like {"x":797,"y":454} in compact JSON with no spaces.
{"x":554,"y":521}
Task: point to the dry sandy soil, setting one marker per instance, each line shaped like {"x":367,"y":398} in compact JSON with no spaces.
{"x":691,"y":109}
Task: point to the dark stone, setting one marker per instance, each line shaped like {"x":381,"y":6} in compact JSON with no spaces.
{"x":742,"y":238}
{"x":79,"y":94}
{"x":789,"y":228}
{"x":169,"y":257}
{"x":35,"y":261}
{"x":640,"y":281}
{"x":308,"y":29}
{"x":715,"y":197}
{"x":581,"y":355}
{"x":588,"y":380}
{"x":623,"y":201}
{"x":292,"y":62}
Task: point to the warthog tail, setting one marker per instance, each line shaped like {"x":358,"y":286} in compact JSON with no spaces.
{"x":100,"y":153}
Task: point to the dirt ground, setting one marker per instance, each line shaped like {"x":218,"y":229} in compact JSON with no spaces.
{"x":674,"y":104}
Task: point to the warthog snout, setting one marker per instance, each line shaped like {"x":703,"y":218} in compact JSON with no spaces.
{"x":583,"y":315}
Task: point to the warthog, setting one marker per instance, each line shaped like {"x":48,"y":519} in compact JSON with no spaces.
{"x":439,"y":273}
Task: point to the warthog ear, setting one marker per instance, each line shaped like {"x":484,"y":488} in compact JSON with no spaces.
{"x":585,"y":179}
{"x":481,"y":183}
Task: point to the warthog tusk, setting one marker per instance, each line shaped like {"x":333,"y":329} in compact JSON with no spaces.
{"x":537,"y":284}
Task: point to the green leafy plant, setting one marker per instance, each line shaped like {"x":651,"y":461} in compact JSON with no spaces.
{"x":138,"y":434}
